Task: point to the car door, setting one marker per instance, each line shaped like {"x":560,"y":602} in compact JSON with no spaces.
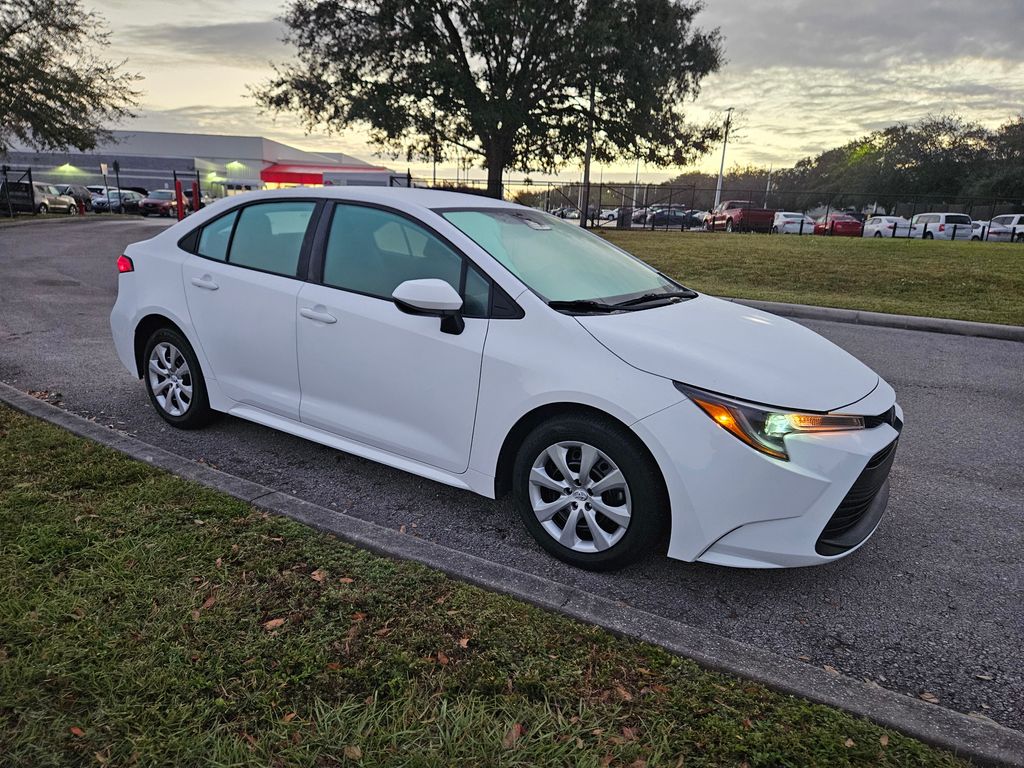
{"x":373,"y":373}
{"x":241,"y":285}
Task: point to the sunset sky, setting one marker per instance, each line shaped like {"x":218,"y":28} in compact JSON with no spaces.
{"x":803,"y":75}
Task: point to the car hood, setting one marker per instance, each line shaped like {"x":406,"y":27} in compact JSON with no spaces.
{"x":734,"y":350}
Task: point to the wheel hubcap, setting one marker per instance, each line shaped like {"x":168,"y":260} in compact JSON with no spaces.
{"x":170,"y":379}
{"x":580,"y":497}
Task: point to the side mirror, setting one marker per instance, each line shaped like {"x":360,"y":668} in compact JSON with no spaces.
{"x":434,"y":298}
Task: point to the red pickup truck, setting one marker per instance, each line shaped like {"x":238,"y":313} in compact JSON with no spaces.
{"x":740,"y":216}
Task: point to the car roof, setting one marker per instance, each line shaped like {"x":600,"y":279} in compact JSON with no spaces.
{"x":425,"y":198}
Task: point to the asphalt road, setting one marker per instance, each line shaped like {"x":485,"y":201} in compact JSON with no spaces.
{"x":934,"y":602}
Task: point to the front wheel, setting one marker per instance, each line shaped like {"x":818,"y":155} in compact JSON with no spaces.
{"x":589,"y":493}
{"x":878,"y":234}
{"x":175,"y":382}
{"x":728,"y":226}
{"x":43,"y":208}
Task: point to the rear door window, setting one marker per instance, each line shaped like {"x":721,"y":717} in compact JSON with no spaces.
{"x":213,"y":242}
{"x":268,"y":236}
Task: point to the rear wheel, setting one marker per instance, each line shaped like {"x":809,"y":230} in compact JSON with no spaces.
{"x":878,"y":234}
{"x":929,"y":236}
{"x":589,"y":493}
{"x":728,"y":226}
{"x":175,"y":382}
{"x":43,"y":208}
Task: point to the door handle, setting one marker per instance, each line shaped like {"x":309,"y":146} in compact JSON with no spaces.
{"x":318,"y":314}
{"x":205,"y":282}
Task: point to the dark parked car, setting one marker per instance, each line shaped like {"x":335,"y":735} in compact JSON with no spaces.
{"x":81,"y":194}
{"x":118,"y":201}
{"x":160,"y":202}
{"x":16,"y":197}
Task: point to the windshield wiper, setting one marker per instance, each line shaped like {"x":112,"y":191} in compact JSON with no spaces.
{"x":585,"y":305}
{"x":647,"y":298}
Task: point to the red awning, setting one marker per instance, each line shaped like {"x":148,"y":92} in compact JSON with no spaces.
{"x":310,"y":174}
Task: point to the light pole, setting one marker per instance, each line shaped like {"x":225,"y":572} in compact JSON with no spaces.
{"x":725,"y":144}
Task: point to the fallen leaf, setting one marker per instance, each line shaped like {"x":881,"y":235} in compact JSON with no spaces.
{"x":804,"y":658}
{"x":358,"y":616}
{"x":353,"y":752}
{"x":101,"y":758}
{"x":984,"y":677}
{"x":931,"y":698}
{"x":512,"y":736}
{"x":76,"y":731}
{"x":747,"y":725}
{"x":442,"y":658}
{"x":623,"y":693}
{"x":288,"y":718}
{"x":831,"y":670}
{"x":606,"y":761}
{"x":318,"y":575}
{"x":346,"y":580}
{"x":401,"y":529}
{"x":629,"y":734}
{"x":208,"y":602}
{"x":273,"y":624}
{"x":195,"y":615}
{"x":849,"y":743}
{"x":218,"y":562}
{"x":579,"y":743}
{"x":333,"y":666}
{"x":464,"y":642}
{"x":884,"y":740}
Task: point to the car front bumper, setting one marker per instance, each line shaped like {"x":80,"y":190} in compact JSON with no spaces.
{"x":734,"y":506}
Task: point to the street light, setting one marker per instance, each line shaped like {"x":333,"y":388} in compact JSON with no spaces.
{"x":725,"y":143}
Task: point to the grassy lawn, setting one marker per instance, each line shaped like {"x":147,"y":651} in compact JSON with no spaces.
{"x":966,"y":281}
{"x":145,"y":620}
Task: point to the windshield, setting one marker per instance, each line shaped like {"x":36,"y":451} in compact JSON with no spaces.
{"x":558,"y":261}
{"x":162,"y":194}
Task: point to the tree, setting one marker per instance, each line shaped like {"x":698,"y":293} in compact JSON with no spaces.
{"x":507,"y":81}
{"x":54,"y":92}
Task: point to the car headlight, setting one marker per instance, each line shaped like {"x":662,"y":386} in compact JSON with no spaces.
{"x":765,"y":429}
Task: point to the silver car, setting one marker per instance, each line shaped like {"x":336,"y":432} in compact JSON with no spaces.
{"x":50,"y":200}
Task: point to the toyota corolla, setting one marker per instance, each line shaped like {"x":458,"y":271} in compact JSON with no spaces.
{"x":498,"y":349}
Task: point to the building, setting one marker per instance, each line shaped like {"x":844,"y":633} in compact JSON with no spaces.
{"x":224,"y":165}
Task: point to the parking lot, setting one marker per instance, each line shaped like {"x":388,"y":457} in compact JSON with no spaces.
{"x":930,"y":604}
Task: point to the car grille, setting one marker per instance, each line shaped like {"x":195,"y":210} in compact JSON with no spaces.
{"x":848,"y":527}
{"x":889,"y":417}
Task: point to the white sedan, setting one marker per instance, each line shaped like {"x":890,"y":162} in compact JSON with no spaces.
{"x":991,"y":232}
{"x":496,"y":348}
{"x":888,"y":226}
{"x":788,"y":223}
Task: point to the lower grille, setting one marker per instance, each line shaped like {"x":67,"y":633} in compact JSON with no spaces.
{"x":852,"y":523}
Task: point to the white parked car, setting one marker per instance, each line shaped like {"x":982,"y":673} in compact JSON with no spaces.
{"x":990,"y":232}
{"x":610,"y":214}
{"x":788,"y":223}
{"x":1013,"y":222}
{"x":942,"y":226}
{"x":496,"y":348}
{"x":888,"y":226}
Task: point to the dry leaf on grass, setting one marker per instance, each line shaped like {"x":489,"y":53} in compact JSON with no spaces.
{"x":319,"y":575}
{"x":931,"y":698}
{"x":208,"y":602}
{"x":464,"y":642}
{"x":346,"y":580}
{"x":442,"y":658}
{"x":288,"y":718}
{"x":76,"y":731}
{"x":849,"y":743}
{"x":883,"y":740}
{"x":353,"y":752}
{"x":513,"y":735}
{"x":623,"y":693}
{"x":273,"y":624}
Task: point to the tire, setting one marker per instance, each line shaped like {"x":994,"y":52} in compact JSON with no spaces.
{"x":775,"y":230}
{"x":728,"y":226}
{"x":72,"y":210}
{"x":168,"y":349}
{"x":879,"y":234}
{"x":929,"y":236}
{"x":611,"y":447}
{"x":43,"y":208}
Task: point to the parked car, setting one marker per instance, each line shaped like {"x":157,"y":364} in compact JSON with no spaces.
{"x":838,"y":225}
{"x":1014,"y":222}
{"x":610,"y":214}
{"x":789,"y":223}
{"x":855,"y":214}
{"x":204,"y":200}
{"x":81,"y":194}
{"x":50,"y":200}
{"x":741,"y":216}
{"x":16,"y":197}
{"x":159,"y":202}
{"x":990,"y":232}
{"x":617,"y":406}
{"x":118,"y":201}
{"x":942,"y":226}
{"x":887,"y":226}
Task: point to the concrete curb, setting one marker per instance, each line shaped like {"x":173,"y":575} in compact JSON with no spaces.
{"x":978,"y":739}
{"x":880,"y":319}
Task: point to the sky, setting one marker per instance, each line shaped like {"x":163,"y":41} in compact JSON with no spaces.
{"x":802,"y":75}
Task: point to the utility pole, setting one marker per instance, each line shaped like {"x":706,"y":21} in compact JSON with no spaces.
{"x":725,"y":144}
{"x":585,"y":206}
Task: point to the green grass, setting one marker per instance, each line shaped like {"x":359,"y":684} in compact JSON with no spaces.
{"x":966,"y":281}
{"x":145,"y":620}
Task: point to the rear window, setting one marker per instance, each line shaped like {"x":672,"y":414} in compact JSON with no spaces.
{"x":958,"y":219}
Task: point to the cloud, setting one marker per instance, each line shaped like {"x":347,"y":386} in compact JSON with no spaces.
{"x":244,"y":44}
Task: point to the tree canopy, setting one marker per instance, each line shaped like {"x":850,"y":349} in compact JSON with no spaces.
{"x":55,"y":92}
{"x":508,"y":82}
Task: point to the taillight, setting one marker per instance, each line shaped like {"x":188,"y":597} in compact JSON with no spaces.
{"x":942,"y":227}
{"x":124,"y":264}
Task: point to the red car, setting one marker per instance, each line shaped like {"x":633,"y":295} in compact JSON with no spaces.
{"x":839,"y":225}
{"x":740,"y":216}
{"x":161,"y":202}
